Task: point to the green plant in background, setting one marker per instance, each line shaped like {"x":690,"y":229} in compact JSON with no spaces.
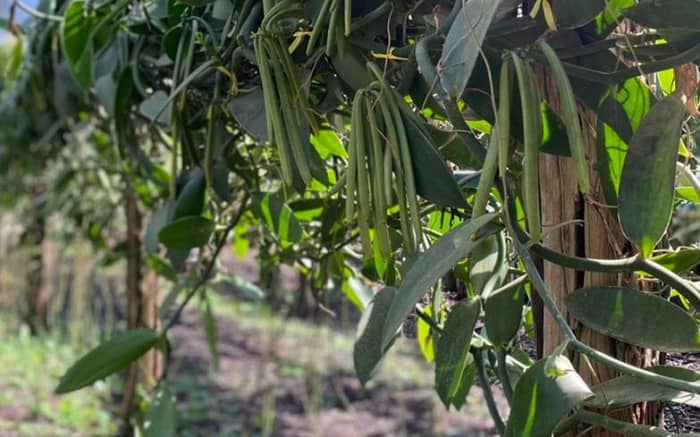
{"x":30,"y":367}
{"x":321,"y":124}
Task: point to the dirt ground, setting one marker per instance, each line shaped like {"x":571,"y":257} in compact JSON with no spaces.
{"x":287,"y":384}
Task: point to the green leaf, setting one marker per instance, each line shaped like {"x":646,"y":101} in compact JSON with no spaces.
{"x":426,"y":336}
{"x":628,"y":390}
{"x":186,"y":233}
{"x":351,"y":67}
{"x":676,"y":20}
{"x":107,"y":358}
{"x":368,"y":350}
{"x":619,"y":115}
{"x":190,"y":201}
{"x":434,"y":181}
{"x":327,"y":143}
{"x":279,"y":218}
{"x":105,"y":91}
{"x":635,"y":317}
{"x":465,"y":383}
{"x":151,"y":107}
{"x":358,"y":293}
{"x":452,"y":351}
{"x":453,"y":146}
{"x":607,"y":20}
{"x":648,"y":175}
{"x":679,"y":261}
{"x":661,"y":14}
{"x":504,"y":311}
{"x":570,"y":14}
{"x":248,"y":108}
{"x":160,"y":218}
{"x":76,"y":31}
{"x":488,"y":266}
{"x":161,"y":266}
{"x":161,"y":416}
{"x":540,"y":400}
{"x":688,"y":193}
{"x":462,"y":45}
{"x":430,"y":266}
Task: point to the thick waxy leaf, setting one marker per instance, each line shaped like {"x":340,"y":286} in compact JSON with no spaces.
{"x":190,"y":201}
{"x":160,"y":218}
{"x":628,"y":390}
{"x":676,"y":20}
{"x":152,"y":106}
{"x":328,"y":144}
{"x":161,"y":416}
{"x":574,"y":13}
{"x":688,"y":193}
{"x":488,"y":266}
{"x":426,"y":336}
{"x":452,"y":355}
{"x":358,"y":293}
{"x":186,"y":233}
{"x":542,"y":398}
{"x":664,"y":14}
{"x":607,"y":20}
{"x":461,"y":49}
{"x":434,"y":180}
{"x":429,"y":267}
{"x":648,"y":176}
{"x":454,"y":147}
{"x":351,"y":67}
{"x":76,"y":30}
{"x":249,"y":111}
{"x":636,"y":318}
{"x":680,"y":261}
{"x":619,"y":115}
{"x":504,"y":311}
{"x":105,"y":90}
{"x":369,"y":351}
{"x":107,"y":358}
{"x":279,"y":218}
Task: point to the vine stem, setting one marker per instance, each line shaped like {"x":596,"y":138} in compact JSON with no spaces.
{"x":685,"y":288}
{"x":207,"y":271}
{"x":502,"y":370}
{"x":619,"y":426}
{"x":488,"y":393}
{"x":429,"y":320}
{"x":583,"y":348}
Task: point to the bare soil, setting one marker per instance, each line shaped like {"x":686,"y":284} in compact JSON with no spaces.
{"x":266,"y":386}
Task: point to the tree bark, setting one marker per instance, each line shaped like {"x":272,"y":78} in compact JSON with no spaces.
{"x":134,"y":300}
{"x":37,"y":291}
{"x":142,"y":311}
{"x":599,"y":237}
